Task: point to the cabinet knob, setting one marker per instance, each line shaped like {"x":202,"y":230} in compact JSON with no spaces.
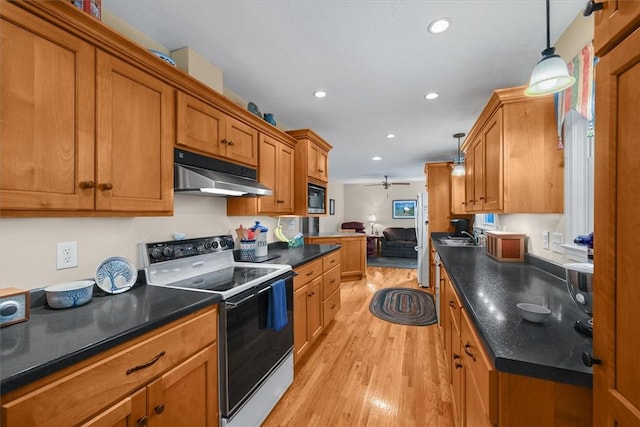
{"x":107,"y":186}
{"x":224,"y":141}
{"x":321,"y":170}
{"x":159,"y":409}
{"x":456,"y":356}
{"x":588,"y":359}
{"x":458,"y":365}
{"x":229,"y":142}
{"x":452,"y":304}
{"x":142,"y":422}
{"x":87,"y":184}
{"x":333,"y":306}
{"x":592,"y":6}
{"x":310,"y":294}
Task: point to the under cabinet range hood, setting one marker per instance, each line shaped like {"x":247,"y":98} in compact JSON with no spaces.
{"x":198,"y":175}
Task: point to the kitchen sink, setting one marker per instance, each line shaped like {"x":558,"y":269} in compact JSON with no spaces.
{"x":457,"y":241}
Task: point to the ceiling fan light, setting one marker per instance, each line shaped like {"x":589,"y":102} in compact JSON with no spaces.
{"x":458,"y":170}
{"x":550,"y":75}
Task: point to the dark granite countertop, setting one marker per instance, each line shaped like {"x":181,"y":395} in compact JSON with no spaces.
{"x":490,"y":291}
{"x":294,"y":257}
{"x":54,"y":339}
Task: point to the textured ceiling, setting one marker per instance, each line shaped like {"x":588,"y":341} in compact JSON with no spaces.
{"x":375,"y":59}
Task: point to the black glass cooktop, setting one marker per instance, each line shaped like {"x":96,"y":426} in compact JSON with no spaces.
{"x":224,"y":279}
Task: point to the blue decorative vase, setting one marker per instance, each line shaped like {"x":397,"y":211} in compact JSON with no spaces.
{"x":269,"y":118}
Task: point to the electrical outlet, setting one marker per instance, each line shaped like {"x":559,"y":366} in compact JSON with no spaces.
{"x":556,"y":242}
{"x":66,"y":255}
{"x":545,"y":240}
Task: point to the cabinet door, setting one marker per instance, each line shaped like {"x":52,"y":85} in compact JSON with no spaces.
{"x":129,"y":412}
{"x":492,"y":194}
{"x":200,"y":125}
{"x":439,"y":176}
{"x":187,"y":395}
{"x":323,"y":165}
{"x":458,"y":375}
{"x":241,"y":142}
{"x":314,"y":308}
{"x":352,"y":256}
{"x":46,"y":115}
{"x":617,"y":196}
{"x":616,"y":20}
{"x":469,"y":179}
{"x":135,"y":139}
{"x":268,"y":173}
{"x":458,"y":205}
{"x":300,"y":335}
{"x":312,"y":160}
{"x":285,"y":178}
{"x":478,"y":175}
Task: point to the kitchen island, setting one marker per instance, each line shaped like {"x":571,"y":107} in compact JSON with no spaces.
{"x":504,"y":369}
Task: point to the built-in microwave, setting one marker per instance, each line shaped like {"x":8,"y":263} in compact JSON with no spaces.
{"x":316,"y":199}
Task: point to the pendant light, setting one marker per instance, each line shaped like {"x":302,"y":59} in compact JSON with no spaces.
{"x":550,"y":75}
{"x":458,"y":169}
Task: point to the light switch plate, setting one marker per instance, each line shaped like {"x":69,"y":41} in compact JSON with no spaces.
{"x":556,"y":242}
{"x":545,"y":240}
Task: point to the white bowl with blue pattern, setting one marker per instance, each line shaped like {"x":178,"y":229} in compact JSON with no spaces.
{"x":69,"y":294}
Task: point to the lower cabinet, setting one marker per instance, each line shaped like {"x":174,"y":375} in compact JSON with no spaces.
{"x":165,"y":378}
{"x":484,"y":397}
{"x":353,"y":258}
{"x":316,"y":300}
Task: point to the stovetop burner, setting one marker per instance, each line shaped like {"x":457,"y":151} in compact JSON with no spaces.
{"x":205,"y":264}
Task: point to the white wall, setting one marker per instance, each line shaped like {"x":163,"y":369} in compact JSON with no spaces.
{"x":361,"y":200}
{"x":533,"y":225}
{"x":28,"y":245}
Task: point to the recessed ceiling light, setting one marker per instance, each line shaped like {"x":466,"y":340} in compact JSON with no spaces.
{"x":319,"y":94}
{"x":440,"y":25}
{"x":377,"y":158}
{"x":431,"y":96}
{"x":391,"y":135}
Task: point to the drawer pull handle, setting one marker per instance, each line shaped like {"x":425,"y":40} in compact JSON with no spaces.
{"x":458,"y":365}
{"x":310,"y":294}
{"x":467,"y":349}
{"x":589,"y":360}
{"x":333,"y":306}
{"x":146,"y":364}
{"x":159,"y":409}
{"x":452,"y":305}
{"x":310,"y":273}
{"x":332,"y":281}
{"x":591,"y":7}
{"x":142,"y":422}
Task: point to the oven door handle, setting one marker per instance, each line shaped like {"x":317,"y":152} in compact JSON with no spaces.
{"x":243,"y":300}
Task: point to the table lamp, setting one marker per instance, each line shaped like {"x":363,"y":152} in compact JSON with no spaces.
{"x":372,"y":220}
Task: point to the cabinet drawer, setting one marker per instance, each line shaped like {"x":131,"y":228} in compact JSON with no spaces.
{"x":331,"y":260}
{"x":480,"y":368}
{"x":331,"y":306}
{"x":330,"y":282}
{"x":307,"y":273}
{"x":74,"y":397}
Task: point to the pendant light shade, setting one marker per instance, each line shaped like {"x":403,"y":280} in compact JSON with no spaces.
{"x":550,"y":75}
{"x":458,"y":169}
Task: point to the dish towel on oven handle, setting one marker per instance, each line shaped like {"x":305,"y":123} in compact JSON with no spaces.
{"x":277,"y":308}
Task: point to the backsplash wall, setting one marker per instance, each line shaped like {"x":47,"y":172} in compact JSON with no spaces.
{"x":28,"y":245}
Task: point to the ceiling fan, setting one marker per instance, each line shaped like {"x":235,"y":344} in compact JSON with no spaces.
{"x":386,"y":184}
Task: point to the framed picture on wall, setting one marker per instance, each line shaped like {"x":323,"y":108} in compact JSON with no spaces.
{"x":404,"y":209}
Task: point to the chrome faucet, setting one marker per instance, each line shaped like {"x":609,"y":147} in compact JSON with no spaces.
{"x":475,"y":241}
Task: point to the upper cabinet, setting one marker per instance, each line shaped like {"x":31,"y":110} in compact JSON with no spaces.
{"x":208,"y":130}
{"x":83,"y":133}
{"x":512,"y":164}
{"x":276,"y":171}
{"x":614,"y":22}
{"x":312,"y":151}
{"x":312,"y":165}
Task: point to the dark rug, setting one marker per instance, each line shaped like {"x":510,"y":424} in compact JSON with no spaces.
{"x":404,"y":306}
{"x":393,"y":262}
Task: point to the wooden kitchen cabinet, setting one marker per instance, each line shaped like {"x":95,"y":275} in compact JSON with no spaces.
{"x":353,"y":254}
{"x":134,"y":139}
{"x":99,"y":141}
{"x":307,"y":307}
{"x":312,"y":166}
{"x":512,"y":164}
{"x":458,"y":196}
{"x":616,"y":341}
{"x":168,"y":376}
{"x":276,"y":171}
{"x":439,"y":186}
{"x":330,"y":286}
{"x":206,"y":129}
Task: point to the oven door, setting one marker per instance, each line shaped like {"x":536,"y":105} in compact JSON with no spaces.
{"x":250,"y":350}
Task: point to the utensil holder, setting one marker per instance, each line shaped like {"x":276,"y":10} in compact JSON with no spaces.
{"x":247,"y":250}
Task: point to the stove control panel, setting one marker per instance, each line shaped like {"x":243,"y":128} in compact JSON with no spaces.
{"x":177,"y":249}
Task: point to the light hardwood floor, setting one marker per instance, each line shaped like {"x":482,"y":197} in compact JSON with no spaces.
{"x":364,"y":371}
